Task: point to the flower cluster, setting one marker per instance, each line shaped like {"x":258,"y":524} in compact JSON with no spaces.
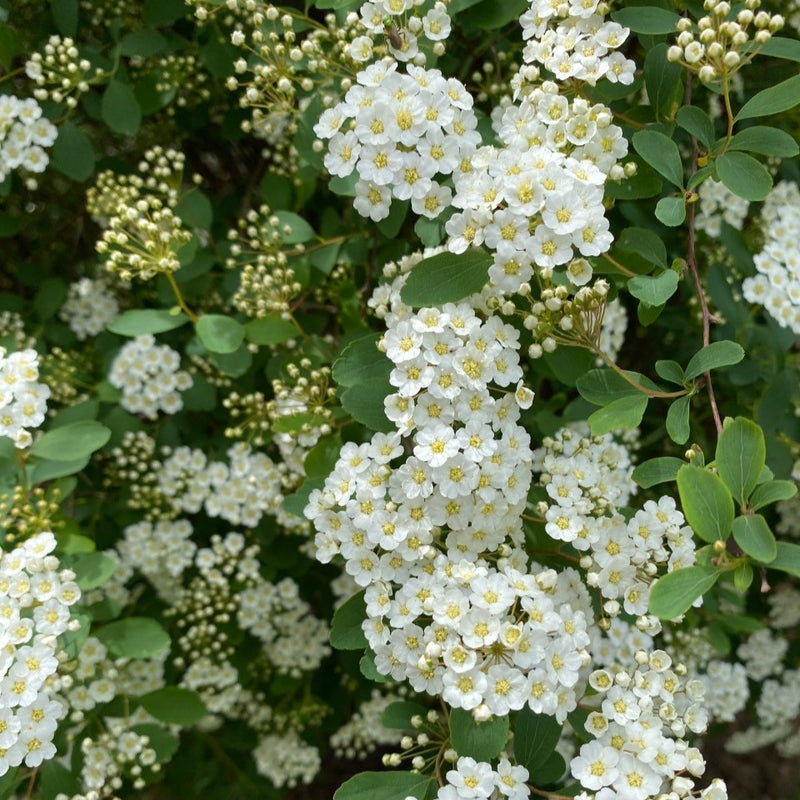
{"x":24,"y":135}
{"x":240,"y":492}
{"x":479,"y":780}
{"x":89,"y":307}
{"x":401,"y":29}
{"x":35,"y":600}
{"x":574,"y":40}
{"x":142,"y":232}
{"x":149,"y":377}
{"x":638,"y":728}
{"x":407,"y":129}
{"x":59,"y":72}
{"x":721,"y":47}
{"x":587,"y":479}
{"x":777,"y":286}
{"x":539,"y":196}
{"x":23,"y":400}
{"x":435,"y":535}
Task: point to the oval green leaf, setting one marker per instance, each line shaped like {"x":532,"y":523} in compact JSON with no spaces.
{"x":787,"y":559}
{"x":622,"y":414}
{"x":134,"y":637}
{"x":766,"y":141}
{"x":346,"y":633}
{"x":482,"y":741}
{"x":714,"y":356}
{"x":743,"y":175}
{"x":219,"y":334}
{"x":646,"y":19}
{"x":771,"y":492}
{"x":753,"y":535}
{"x":661,"y":153}
{"x":175,"y":705}
{"x":741,"y":455}
{"x":446,"y":278}
{"x":706,"y":501}
{"x":120,"y":109}
{"x":657,"y":470}
{"x":535,"y":738}
{"x":146,"y":320}
{"x":72,"y":442}
{"x":774,"y":100}
{"x":654,"y":290}
{"x":674,"y":593}
{"x":385,"y":786}
{"x":671,"y":211}
{"x":678,"y":419}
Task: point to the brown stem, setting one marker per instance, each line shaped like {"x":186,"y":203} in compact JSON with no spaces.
{"x":635,"y":384}
{"x":31,"y":783}
{"x":550,"y":795}
{"x":691,"y":260}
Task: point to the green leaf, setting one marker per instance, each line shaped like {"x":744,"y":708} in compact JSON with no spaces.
{"x":661,"y":153}
{"x":678,"y":419}
{"x":346,"y":633}
{"x":390,"y":226}
{"x":771,"y":492}
{"x":674,"y":593}
{"x":334,"y":4}
{"x":143,"y":44}
{"x":622,"y":414}
{"x":602,"y":386}
{"x":774,"y":100}
{"x":781,"y":47}
{"x":743,"y":576}
{"x":365,"y":404}
{"x":134,"y":637}
{"x":657,"y":470}
{"x":299,"y":230}
{"x":65,"y":16}
{"x":714,"y":356}
{"x":741,"y":455}
{"x":195,"y":210}
{"x":219,"y":334}
{"x":175,"y":705}
{"x":446,"y":278}
{"x":646,"y":243}
{"x":384,"y":786}
{"x":741,"y":623}
{"x":47,"y":470}
{"x":322,"y":457}
{"x":551,"y":771}
{"x":698,"y":123}
{"x":397,"y":715}
{"x":787,"y":559}
{"x":535,"y":738}
{"x":646,"y":19}
{"x":72,"y":154}
{"x":120,"y":109}
{"x":765,"y":140}
{"x":663,"y":81}
{"x":753,"y":535}
{"x":361,"y":361}
{"x":146,"y":320}
{"x":366,"y":666}
{"x":91,"y":569}
{"x":671,"y":211}
{"x":270,"y":330}
{"x":743,"y":175}
{"x":670,"y":371}
{"x":55,"y":779}
{"x":706,"y":501}
{"x":163,"y":12}
{"x":72,"y":442}
{"x":11,"y":46}
{"x":654,"y":290}
{"x":490,"y":15}
{"x":482,"y":741}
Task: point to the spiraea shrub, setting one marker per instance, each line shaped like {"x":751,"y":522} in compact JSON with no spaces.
{"x":399,"y":399}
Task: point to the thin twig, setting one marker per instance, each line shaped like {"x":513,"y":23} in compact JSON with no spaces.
{"x":691,"y":260}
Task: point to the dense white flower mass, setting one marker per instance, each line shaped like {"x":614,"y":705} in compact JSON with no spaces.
{"x":24,"y":135}
{"x":23,"y":400}
{"x":777,"y":285}
{"x":574,"y":40}
{"x":150,"y":377}
{"x":35,"y":600}
{"x":89,"y":307}
{"x":478,"y":780}
{"x":409,"y":129}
